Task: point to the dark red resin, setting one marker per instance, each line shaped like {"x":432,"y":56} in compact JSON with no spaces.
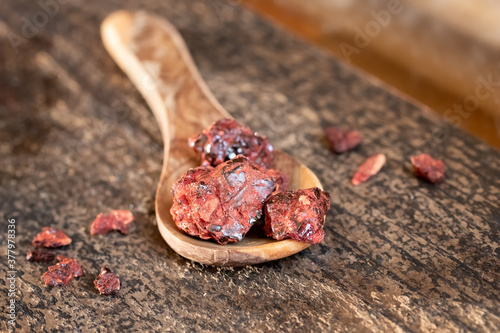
{"x":369,"y":168}
{"x":63,"y":272}
{"x":51,"y":238}
{"x":225,"y":139}
{"x":107,"y":282}
{"x":114,"y":220}
{"x":299,"y":215}
{"x":40,"y":256}
{"x":342,"y":140}
{"x":222,"y":202}
{"x":428,"y":168}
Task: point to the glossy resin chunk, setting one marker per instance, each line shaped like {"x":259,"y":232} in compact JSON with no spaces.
{"x":107,"y":282}
{"x":51,"y":238}
{"x":299,"y":215}
{"x":63,"y":272}
{"x":225,"y":139}
{"x":428,"y":168}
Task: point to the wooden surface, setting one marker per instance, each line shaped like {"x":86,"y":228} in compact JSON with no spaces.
{"x":76,"y":138}
{"x":149,"y":49}
{"x":433,"y":51}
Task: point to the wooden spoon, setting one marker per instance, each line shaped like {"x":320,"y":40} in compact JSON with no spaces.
{"x":153,"y":54}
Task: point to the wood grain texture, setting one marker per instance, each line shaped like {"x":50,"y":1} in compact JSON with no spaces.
{"x":76,"y":138}
{"x":149,"y":49}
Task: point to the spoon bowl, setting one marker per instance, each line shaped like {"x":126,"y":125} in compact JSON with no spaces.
{"x":154,"y":56}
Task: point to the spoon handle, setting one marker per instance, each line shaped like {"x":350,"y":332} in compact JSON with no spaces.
{"x":154,"y":56}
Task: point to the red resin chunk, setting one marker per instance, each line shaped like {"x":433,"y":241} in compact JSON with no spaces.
{"x":368,"y":169}
{"x":63,"y":272}
{"x":222,"y":202}
{"x":51,"y":238}
{"x":342,"y":140}
{"x":107,"y":282}
{"x":40,"y":256}
{"x":225,"y":139}
{"x":114,"y":220}
{"x":428,"y":168}
{"x":299,"y":215}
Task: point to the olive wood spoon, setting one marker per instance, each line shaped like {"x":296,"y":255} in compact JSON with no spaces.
{"x":154,"y":56}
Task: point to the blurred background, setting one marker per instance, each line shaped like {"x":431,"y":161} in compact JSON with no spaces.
{"x":443,"y":53}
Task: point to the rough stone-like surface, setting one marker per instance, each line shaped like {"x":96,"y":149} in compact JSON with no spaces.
{"x":51,"y":238}
{"x":109,"y":221}
{"x":221,"y":203}
{"x":63,"y":272}
{"x":76,"y":139}
{"x":342,"y":140}
{"x":428,"y":168}
{"x":225,"y":139}
{"x":107,"y":282}
{"x":299,"y":215}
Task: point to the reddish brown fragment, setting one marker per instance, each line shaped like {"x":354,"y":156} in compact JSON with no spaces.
{"x":63,"y":272}
{"x":282,"y":180}
{"x":222,"y":202}
{"x":114,"y":220}
{"x":51,"y":238}
{"x":428,"y":168}
{"x":370,"y":168}
{"x":225,"y":139}
{"x":40,"y":256}
{"x":342,"y":140}
{"x":299,"y":215}
{"x":107,"y":282}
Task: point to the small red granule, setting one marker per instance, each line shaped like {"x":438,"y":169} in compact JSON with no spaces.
{"x":51,"y":238}
{"x":107,"y":282}
{"x":222,"y":202}
{"x":40,"y":256}
{"x":370,"y":168}
{"x":342,"y":140}
{"x":428,"y":168}
{"x":61,"y":273}
{"x":299,"y":215}
{"x":225,"y":139}
{"x":114,"y":220}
